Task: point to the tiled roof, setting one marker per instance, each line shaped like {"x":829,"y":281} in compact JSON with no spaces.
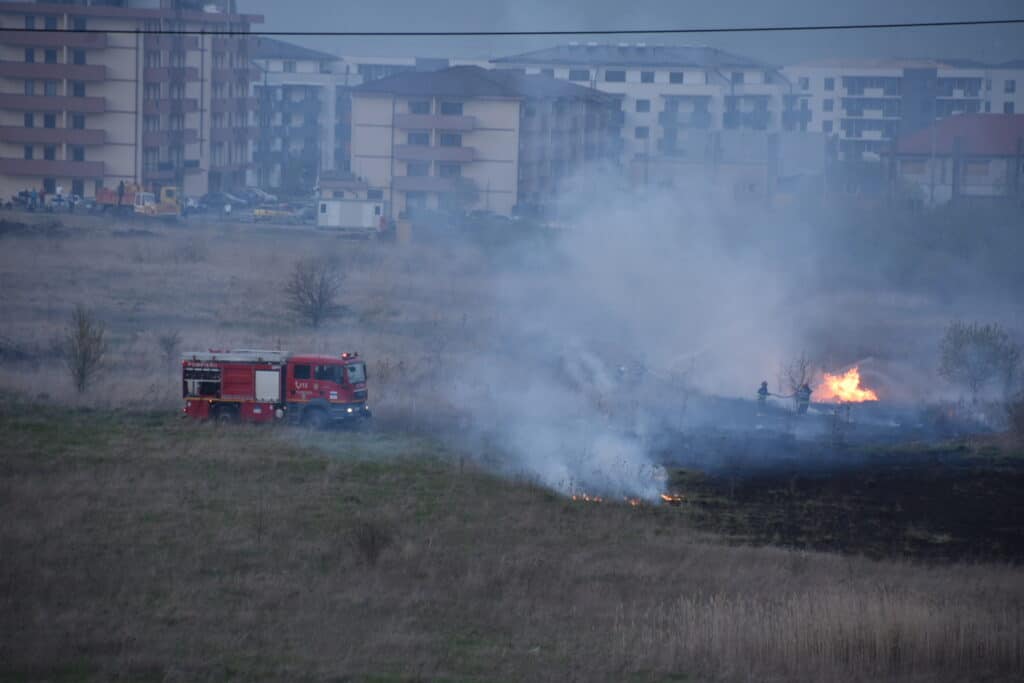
{"x":981,"y":134}
{"x":474,"y":81}
{"x":269,"y":48}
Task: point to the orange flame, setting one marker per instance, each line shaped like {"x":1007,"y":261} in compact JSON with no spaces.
{"x":844,"y":388}
{"x":587,"y":498}
{"x":672,"y":498}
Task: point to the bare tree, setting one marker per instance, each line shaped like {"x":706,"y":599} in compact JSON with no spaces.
{"x":312,"y":288}
{"x":84,"y":347}
{"x":169,"y":343}
{"x":797,"y":372}
{"x":973,"y":355}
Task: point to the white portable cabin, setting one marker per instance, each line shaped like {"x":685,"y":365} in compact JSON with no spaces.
{"x":350,"y":214}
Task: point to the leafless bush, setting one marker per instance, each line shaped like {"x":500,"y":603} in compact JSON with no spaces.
{"x":312,"y":288}
{"x":797,"y":372}
{"x":169,"y":344}
{"x":975,"y":355}
{"x":84,"y":347}
{"x":369,"y":539}
{"x":1015,"y":414}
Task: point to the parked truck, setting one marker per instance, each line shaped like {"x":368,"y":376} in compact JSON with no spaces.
{"x":251,"y":385}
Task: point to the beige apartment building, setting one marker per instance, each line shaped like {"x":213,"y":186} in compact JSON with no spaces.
{"x":474,"y":139}
{"x":82,"y":109}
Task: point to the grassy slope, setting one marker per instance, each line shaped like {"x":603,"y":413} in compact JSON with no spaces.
{"x":141,"y":547}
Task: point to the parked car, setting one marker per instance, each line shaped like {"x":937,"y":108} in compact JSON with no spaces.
{"x":217,"y":201}
{"x":255,"y":195}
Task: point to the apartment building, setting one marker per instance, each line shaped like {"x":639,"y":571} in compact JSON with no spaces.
{"x":866,"y":105}
{"x":471,"y":138}
{"x":667,"y":91}
{"x":973,"y":157}
{"x":85,"y":110}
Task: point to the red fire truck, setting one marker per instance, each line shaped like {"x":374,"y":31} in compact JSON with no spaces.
{"x":251,"y":385}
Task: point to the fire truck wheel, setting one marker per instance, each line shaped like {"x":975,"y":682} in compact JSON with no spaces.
{"x":226,"y":415}
{"x":315,"y":419}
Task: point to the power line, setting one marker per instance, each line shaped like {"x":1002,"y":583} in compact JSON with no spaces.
{"x":574,"y":32}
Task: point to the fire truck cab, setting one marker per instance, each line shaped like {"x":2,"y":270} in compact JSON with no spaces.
{"x":252,"y":385}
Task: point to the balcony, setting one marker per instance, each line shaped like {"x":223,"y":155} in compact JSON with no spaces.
{"x":425,"y":153}
{"x":73,"y":72}
{"x":678,"y":119}
{"x":41,"y":38}
{"x":56,"y":136}
{"x":753,"y":120}
{"x":85,"y":105}
{"x":269,"y":156}
{"x":245,"y":74}
{"x":438,"y":121}
{"x":230,"y":43}
{"x":795,"y":117}
{"x":239,"y":104}
{"x":171,"y":43}
{"x":173,"y":74}
{"x":161,"y":138}
{"x":429,"y":183}
{"x":309,"y":105}
{"x":46,"y":168}
{"x":243,"y":134}
{"x":170,"y":106}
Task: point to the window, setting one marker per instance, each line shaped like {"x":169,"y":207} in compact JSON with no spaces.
{"x":289,"y":66}
{"x":323,"y":207}
{"x":152,"y":59}
{"x":50,"y":23}
{"x":451,"y":108}
{"x":988,"y":107}
{"x":647,"y":77}
{"x":49,"y":152}
{"x":50,"y":56}
{"x":826,"y":126}
{"x":356,"y":372}
{"x":420,"y":137}
{"x":300,"y":372}
{"x":30,"y":55}
{"x":30,"y":87}
{"x":78,"y":88}
{"x":451,"y":140}
{"x":642,"y":132}
{"x":611,"y":76}
{"x":30,"y":21}
{"x":78,"y":57}
{"x":1007,"y":107}
{"x":988,"y":84}
{"x":375,"y":194}
{"x":805,"y":83}
{"x":675,"y":77}
{"x":449,"y":170}
{"x":50,"y":88}
{"x":78,"y":121}
{"x":550,"y":73}
{"x":1010,"y":86}
{"x":152,"y":91}
{"x":830,"y":84}
{"x":152,"y":123}
{"x":643,"y":105}
{"x":328,"y":373}
{"x":49,"y":120}
{"x":828,"y":105}
{"x":78,"y":187}
{"x":78,"y":23}
{"x":29,"y":152}
{"x":419,"y":107}
{"x":176,"y":91}
{"x":737,"y":78}
{"x":30,"y":120}
{"x":417,"y":168}
{"x":77,"y":153}
{"x":579,"y":74}
{"x":49,"y":185}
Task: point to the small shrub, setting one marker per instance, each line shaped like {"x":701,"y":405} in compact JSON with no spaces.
{"x":369,"y":539}
{"x":973,"y":355}
{"x":84,"y":347}
{"x":312,"y":289}
{"x":1015,"y":415}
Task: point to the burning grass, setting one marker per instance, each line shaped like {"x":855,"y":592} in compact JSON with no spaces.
{"x":146,"y":548}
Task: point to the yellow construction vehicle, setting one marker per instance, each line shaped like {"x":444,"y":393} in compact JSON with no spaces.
{"x":168,"y":205}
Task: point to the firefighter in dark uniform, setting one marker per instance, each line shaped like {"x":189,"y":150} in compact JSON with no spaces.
{"x":803,"y":399}
{"x":762,"y":397}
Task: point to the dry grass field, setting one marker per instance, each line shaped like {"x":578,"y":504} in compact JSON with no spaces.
{"x":138,"y":547}
{"x":135,"y":546}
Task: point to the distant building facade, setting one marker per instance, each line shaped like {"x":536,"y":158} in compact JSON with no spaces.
{"x":86,"y":110}
{"x":973,"y":157}
{"x":666,"y":92}
{"x":470,"y":138}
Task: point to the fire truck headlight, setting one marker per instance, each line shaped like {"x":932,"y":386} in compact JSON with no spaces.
{"x":350,"y":410}
{"x":278,"y":413}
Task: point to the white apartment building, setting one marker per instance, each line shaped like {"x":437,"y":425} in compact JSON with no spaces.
{"x":867,"y":104}
{"x":667,"y":91}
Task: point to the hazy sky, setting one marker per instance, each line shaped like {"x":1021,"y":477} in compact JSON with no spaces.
{"x":981,"y":43}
